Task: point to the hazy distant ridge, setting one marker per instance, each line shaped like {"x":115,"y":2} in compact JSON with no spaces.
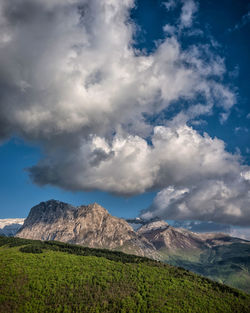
{"x":10,"y":226}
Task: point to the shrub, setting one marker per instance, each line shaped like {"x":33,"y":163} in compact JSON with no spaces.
{"x":31,"y":249}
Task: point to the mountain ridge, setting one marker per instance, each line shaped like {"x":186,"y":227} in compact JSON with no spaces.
{"x":92,"y":225}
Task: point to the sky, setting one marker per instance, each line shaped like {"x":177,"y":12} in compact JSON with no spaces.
{"x":142,"y":106}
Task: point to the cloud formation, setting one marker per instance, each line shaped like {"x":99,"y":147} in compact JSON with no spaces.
{"x":187,"y":13}
{"x":71,"y":80}
{"x":69,"y":67}
{"x":222,"y":201}
{"x":130,"y":165}
{"x":244,"y":21}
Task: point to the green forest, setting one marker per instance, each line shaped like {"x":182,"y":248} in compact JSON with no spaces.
{"x":51,"y":276}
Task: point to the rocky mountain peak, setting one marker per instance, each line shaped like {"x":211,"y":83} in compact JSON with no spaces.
{"x":93,"y":208}
{"x":51,"y":206}
{"x":47,"y":212}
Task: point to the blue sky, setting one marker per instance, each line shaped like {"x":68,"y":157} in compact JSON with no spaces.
{"x":32,"y":163}
{"x":218,"y":20}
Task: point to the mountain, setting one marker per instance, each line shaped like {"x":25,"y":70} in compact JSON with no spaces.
{"x":51,"y":276}
{"x":163,"y":236}
{"x":166,"y":237}
{"x":10,"y":226}
{"x":89,"y":225}
{"x":215,"y":255}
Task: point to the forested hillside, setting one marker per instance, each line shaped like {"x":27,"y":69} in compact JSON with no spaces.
{"x":56,"y":277}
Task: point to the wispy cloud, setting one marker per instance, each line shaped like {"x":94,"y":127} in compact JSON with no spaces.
{"x":170,"y":4}
{"x":188,"y":10}
{"x":240,"y":129}
{"x":244,"y":21}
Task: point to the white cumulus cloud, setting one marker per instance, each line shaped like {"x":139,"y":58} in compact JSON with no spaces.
{"x":72,"y":81}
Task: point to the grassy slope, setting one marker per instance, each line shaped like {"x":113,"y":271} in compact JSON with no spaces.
{"x":228,"y":264}
{"x":68,"y":278}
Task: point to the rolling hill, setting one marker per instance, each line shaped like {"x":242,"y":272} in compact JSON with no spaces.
{"x":51,"y":276}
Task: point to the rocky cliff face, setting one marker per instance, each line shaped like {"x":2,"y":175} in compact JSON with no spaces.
{"x":89,"y":225}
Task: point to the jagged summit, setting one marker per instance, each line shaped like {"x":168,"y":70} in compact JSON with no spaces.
{"x":93,"y":207}
{"x":54,"y":210}
{"x":47,"y":212}
{"x":51,"y":205}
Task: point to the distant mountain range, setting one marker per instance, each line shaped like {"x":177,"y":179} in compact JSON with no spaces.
{"x":199,"y":227}
{"x":215,"y":255}
{"x":10,"y":226}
